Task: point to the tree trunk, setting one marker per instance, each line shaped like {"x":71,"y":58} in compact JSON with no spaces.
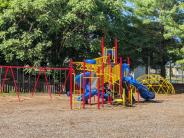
{"x":163,"y":71}
{"x":162,"y":54}
{"x":147,"y":68}
{"x":182,"y":73}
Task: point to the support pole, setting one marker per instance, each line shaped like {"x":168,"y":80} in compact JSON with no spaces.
{"x":103,"y":84}
{"x":34,"y":89}
{"x":138,"y":96}
{"x":47,"y":83}
{"x":129,"y":91}
{"x":121,"y":78}
{"x":4,"y":79}
{"x":116,"y":50}
{"x":128,"y":61}
{"x":15,"y":84}
{"x":111,"y":86}
{"x":29,"y":82}
{"x":17,"y":76}
{"x":102,"y":45}
{"x":98,"y":88}
{"x":60,"y":84}
{"x":23,"y":79}
{"x":70,"y":74}
{"x":110,"y":78}
{"x":90,"y":85}
{"x":84,"y":83}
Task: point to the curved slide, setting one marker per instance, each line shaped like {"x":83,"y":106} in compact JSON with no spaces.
{"x":143,"y":90}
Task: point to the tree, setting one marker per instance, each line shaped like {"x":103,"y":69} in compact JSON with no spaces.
{"x":45,"y":32}
{"x":157,"y":45}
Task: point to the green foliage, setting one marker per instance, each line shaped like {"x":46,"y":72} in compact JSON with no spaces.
{"x":44,"y":32}
{"x":155,"y":39}
{"x":173,"y":20}
{"x":181,"y":61}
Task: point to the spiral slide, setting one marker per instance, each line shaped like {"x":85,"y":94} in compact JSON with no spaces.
{"x":143,"y":90}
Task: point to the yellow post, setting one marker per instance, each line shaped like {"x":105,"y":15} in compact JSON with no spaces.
{"x":76,"y":104}
{"x":131,"y":95}
{"x":113,"y":90}
{"x":124,"y":97}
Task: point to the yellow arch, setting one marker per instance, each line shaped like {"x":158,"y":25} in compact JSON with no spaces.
{"x":157,"y":84}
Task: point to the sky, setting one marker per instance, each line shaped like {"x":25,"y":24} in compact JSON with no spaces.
{"x":129,"y":4}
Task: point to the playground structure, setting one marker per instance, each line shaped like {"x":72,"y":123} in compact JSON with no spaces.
{"x":157,"y":84}
{"x":105,"y":79}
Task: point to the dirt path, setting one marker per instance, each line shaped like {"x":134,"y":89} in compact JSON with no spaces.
{"x":40,"y":117}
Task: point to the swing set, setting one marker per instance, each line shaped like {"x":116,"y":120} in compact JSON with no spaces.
{"x":27,"y":79}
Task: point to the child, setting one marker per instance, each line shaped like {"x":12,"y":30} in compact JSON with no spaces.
{"x":107,"y":90}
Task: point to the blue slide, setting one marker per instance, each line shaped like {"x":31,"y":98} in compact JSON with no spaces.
{"x":143,"y":90}
{"x":87,"y":86}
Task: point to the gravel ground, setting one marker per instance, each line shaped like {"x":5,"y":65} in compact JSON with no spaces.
{"x":39,"y":117}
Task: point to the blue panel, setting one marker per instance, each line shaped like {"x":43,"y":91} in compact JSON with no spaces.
{"x":90,"y":61}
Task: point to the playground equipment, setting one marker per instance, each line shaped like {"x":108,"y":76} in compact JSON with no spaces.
{"x":22,"y":79}
{"x":105,"y":79}
{"x":157,"y":84}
